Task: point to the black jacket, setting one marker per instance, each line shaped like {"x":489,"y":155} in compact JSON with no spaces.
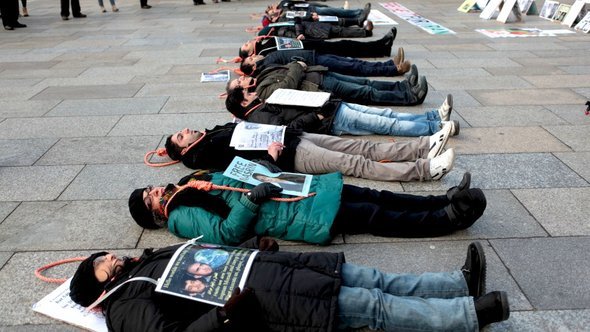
{"x":214,"y":152}
{"x":284,"y":58}
{"x":296,"y":117}
{"x":297,"y":292}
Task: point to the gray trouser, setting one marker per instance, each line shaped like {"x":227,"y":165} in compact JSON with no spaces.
{"x":318,"y":154}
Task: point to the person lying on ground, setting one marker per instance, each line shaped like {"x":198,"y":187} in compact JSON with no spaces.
{"x":229,"y":217}
{"x":288,"y":291}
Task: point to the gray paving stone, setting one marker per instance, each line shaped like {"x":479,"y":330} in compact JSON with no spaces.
{"x":41,"y":73}
{"x":506,"y":140}
{"x":576,"y":69}
{"x":166,"y":124}
{"x":578,"y":161}
{"x":561,"y":211}
{"x":18,"y":82}
{"x":27,"y":65}
{"x":528,"y":97}
{"x":35,"y":183}
{"x":23,"y":93}
{"x":23,"y":152}
{"x":4,"y":257}
{"x":483,"y":83}
{"x":575,"y":137}
{"x":115,"y":106}
{"x":574,"y":114}
{"x":68,"y":226}
{"x":89,"y":184}
{"x":508,"y":116}
{"x":40,"y":328}
{"x":182,"y":89}
{"x":432,"y":73}
{"x":89,"y":92}
{"x":566,"y":81}
{"x":583,"y":91}
{"x":536,"y":45}
{"x":557,"y":61}
{"x":520,"y":71}
{"x":195,"y":104}
{"x":536,"y":264}
{"x":96,"y":82}
{"x":545,"y":320}
{"x":57,"y":127}
{"x":27,"y":108}
{"x":5,"y":209}
{"x":103,"y":150}
{"x":470,"y":63}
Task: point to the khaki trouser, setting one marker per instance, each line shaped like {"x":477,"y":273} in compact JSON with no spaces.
{"x":318,"y":154}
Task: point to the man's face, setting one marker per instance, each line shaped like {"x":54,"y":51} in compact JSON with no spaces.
{"x":200,"y":269}
{"x":151,"y":198}
{"x":242,"y":81}
{"x":248,"y":47}
{"x":194,"y":286}
{"x":185,"y":137}
{"x":106,"y":267}
{"x":248,"y":97}
{"x":252,"y":59}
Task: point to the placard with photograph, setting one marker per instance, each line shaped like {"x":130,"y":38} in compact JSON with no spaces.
{"x":256,"y":136}
{"x":549,"y":9}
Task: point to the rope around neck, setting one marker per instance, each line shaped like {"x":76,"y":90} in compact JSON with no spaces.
{"x":39,"y":275}
{"x":162,"y":152}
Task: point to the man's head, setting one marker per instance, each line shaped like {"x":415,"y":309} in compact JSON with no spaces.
{"x":247,"y":49}
{"x":248,"y":65}
{"x":92,"y":276}
{"x":200,"y":269}
{"x":180,"y":140}
{"x":238,"y":101}
{"x":145,"y":204}
{"x":194,"y":286}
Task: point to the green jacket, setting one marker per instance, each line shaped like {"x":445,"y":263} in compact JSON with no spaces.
{"x":308,"y":220}
{"x":290,"y":76}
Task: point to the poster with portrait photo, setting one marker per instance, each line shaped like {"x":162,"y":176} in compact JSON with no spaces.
{"x":549,"y":9}
{"x":206,"y":272}
{"x":294,"y":184}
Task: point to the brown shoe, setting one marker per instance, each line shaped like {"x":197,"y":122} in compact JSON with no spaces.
{"x":25,"y":12}
{"x":403,"y":67}
{"x":400,"y":57}
{"x":368,"y":25}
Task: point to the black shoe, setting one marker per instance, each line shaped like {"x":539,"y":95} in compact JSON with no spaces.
{"x":80,"y":15}
{"x":412,"y":76}
{"x":464,"y":184}
{"x":365,"y":14}
{"x":197,"y":3}
{"x":390,"y":37}
{"x":19,"y":25}
{"x":474,"y":270}
{"x":419,"y":91}
{"x":146,"y":7}
{"x":65,"y":18}
{"x":491,"y":308}
{"x":466,"y":207}
{"x":8,"y":27}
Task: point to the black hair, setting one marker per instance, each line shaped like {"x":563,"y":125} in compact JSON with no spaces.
{"x":245,"y":68}
{"x":174,"y":151}
{"x":233,"y":102}
{"x":243,"y":54}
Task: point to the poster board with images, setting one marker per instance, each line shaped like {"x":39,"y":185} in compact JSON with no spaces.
{"x":256,"y":136}
{"x":584,"y":24}
{"x":528,"y":7}
{"x":491,"y":10}
{"x":549,"y":9}
{"x":561,"y":12}
{"x":510,"y":12}
{"x":284,"y":43}
{"x":378,"y":18}
{"x":468,"y":6}
{"x":295,"y":13}
{"x":206,"y":272}
{"x":60,"y":306}
{"x":215,"y":76}
{"x":247,"y":171}
{"x":576,"y":13}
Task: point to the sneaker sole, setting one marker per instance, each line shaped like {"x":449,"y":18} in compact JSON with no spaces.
{"x":481,"y":287}
{"x":505,"y":305}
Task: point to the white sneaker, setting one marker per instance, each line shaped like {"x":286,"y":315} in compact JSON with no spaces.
{"x":455,"y":126}
{"x":444,"y":111}
{"x":442,"y":164}
{"x":439,"y":139}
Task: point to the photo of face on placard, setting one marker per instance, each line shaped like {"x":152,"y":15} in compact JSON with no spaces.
{"x":549,"y":9}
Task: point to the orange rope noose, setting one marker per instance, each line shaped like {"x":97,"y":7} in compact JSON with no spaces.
{"x":160,"y":152}
{"x":209,"y":186}
{"x":50,"y":265}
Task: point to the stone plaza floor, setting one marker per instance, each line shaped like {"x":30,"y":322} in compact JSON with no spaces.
{"x":82,"y":101}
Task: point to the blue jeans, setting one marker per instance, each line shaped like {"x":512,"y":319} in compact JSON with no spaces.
{"x":403,"y":302}
{"x":357,"y":119}
{"x":363,"y":91}
{"x":356,"y":67}
{"x":340,"y":12}
{"x":100,"y":2}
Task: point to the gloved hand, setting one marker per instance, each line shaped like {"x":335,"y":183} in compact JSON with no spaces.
{"x":269,"y":166}
{"x":266,"y":243}
{"x":242,"y":309}
{"x":262,"y":192}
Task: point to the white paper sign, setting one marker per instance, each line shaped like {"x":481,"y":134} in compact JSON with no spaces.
{"x":298,"y":98}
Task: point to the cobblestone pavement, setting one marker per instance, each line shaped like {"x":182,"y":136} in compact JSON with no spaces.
{"x":82,"y":100}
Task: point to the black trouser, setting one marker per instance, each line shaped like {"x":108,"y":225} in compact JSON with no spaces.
{"x":65,"y":7}
{"x":384,"y":213}
{"x":351,"y":48}
{"x":9,"y":11}
{"x":143,"y":2}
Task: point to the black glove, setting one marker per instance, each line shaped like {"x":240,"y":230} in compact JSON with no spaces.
{"x":262,"y":192}
{"x":242,"y":311}
{"x":266,"y":243}
{"x":269,"y":166}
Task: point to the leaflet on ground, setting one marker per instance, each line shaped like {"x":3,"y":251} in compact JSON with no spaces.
{"x":256,"y":136}
{"x":206,"y":272}
{"x":298,"y":98}
{"x":60,"y":306}
{"x":247,"y":171}
{"x":215,"y":76}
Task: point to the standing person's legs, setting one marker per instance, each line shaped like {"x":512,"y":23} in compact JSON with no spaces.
{"x":65,"y":8}
{"x":76,"y":11}
{"x":356,"y":67}
{"x":310,"y":158}
{"x":357,"y":119}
